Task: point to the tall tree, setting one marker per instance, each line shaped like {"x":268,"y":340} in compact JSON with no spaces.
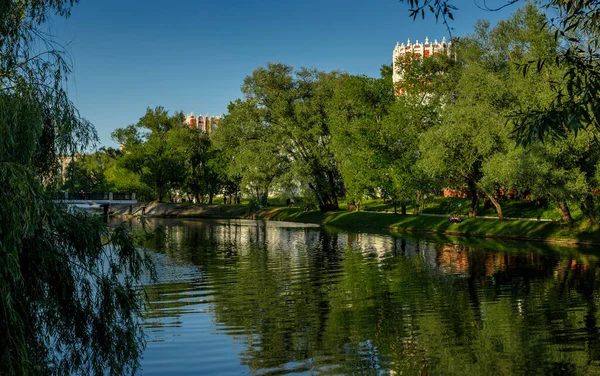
{"x":375,"y":139}
{"x":490,"y":89}
{"x":202,"y":175}
{"x":89,"y":171}
{"x":250,"y":148}
{"x":148,"y":153}
{"x":282,"y":126}
{"x":356,"y":110}
{"x":564,"y":170}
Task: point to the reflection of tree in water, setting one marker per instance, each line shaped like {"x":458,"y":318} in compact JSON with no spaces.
{"x":276,"y":299}
{"x":306,"y":298}
{"x":488,"y":315}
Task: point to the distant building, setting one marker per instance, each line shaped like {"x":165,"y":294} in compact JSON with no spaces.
{"x":65,"y":161}
{"x":191,"y":120}
{"x":404,"y":53}
{"x":205,"y":123}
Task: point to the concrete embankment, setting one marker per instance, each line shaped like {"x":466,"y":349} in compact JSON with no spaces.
{"x":153,"y":209}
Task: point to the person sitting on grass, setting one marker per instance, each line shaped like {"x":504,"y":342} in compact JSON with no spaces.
{"x":455,"y":219}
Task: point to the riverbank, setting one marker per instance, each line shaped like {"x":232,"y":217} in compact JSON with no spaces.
{"x":185,"y":210}
{"x":545,"y":231}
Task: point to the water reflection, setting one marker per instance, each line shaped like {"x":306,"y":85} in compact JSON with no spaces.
{"x":270,"y":298}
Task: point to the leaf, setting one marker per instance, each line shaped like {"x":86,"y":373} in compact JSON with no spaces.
{"x":540,"y":64}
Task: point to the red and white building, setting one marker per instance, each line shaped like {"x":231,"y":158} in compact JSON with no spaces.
{"x":403,"y":53}
{"x":206,"y":123}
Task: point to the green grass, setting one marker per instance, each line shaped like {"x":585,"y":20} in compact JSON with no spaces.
{"x":479,"y":227}
{"x":457,"y":205}
{"x":444,"y":205}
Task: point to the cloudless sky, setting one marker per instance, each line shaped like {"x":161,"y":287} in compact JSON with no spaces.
{"x":193,"y":55}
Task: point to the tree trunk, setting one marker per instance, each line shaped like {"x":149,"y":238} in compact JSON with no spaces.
{"x":257,"y":195}
{"x":565,"y":213}
{"x":403,"y":209}
{"x":474,"y":199}
{"x":474,"y":205}
{"x":588,"y":209}
{"x":332,"y":190}
{"x":325,"y":191}
{"x":493,"y":199}
{"x":210,"y":198}
{"x":416,"y":209}
{"x":327,"y":202}
{"x":265,"y":199}
{"x":352,"y":206}
{"x":496,"y":205}
{"x":487,"y":203}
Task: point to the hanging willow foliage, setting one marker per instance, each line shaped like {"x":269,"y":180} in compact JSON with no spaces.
{"x":68,"y":300}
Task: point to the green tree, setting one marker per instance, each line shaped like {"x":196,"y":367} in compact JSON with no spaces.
{"x":405,"y":181}
{"x":574,"y":104}
{"x":148,"y":152}
{"x":356,"y":110}
{"x":250,"y":148}
{"x":282,"y":127}
{"x":89,"y":172}
{"x":68,"y":283}
{"x":375,"y":139}
{"x":122,"y":180}
{"x":100,"y":172}
{"x":547,"y":171}
{"x":202,"y":177}
{"x":563,"y":171}
{"x":427,"y":85}
{"x":490,"y":87}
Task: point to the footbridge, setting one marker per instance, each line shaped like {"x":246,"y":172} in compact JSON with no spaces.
{"x":83,"y":198}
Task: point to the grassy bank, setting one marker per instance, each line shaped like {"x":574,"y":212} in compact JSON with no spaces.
{"x":548,"y":231}
{"x":459,"y":205}
{"x":514,"y":208}
{"x":479,"y":227}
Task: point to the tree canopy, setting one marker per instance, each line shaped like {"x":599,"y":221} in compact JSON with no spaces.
{"x":166,"y":156}
{"x":576,"y":27}
{"x":282,"y":126}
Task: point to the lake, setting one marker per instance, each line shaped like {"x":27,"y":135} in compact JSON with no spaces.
{"x":270,"y":298}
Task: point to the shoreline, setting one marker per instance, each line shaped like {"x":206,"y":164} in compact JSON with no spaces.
{"x":509,"y":229}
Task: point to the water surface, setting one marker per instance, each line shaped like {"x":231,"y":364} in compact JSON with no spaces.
{"x":249,"y":297}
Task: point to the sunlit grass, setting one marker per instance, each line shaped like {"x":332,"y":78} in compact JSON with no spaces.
{"x":479,"y":227}
{"x":441,"y":205}
{"x":522,"y":208}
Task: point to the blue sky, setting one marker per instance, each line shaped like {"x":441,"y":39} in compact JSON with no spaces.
{"x":193,"y":55}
